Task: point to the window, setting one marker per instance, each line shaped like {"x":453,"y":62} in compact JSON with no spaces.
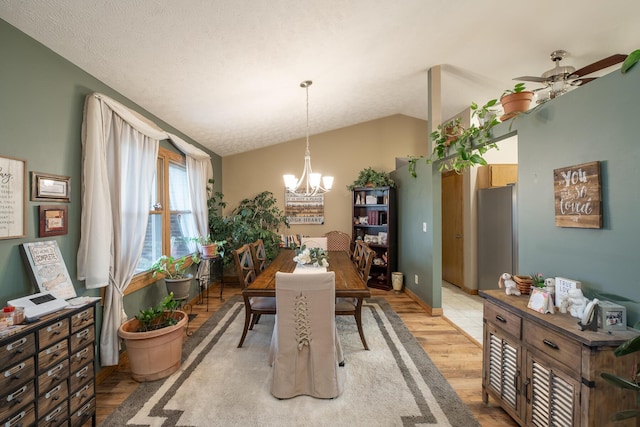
{"x":170,"y":219}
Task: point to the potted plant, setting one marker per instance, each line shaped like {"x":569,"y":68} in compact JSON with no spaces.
{"x":467,"y":147}
{"x":370,"y":177}
{"x":515,"y":101}
{"x":154,"y":340}
{"x":209,"y":248}
{"x":176,"y":278}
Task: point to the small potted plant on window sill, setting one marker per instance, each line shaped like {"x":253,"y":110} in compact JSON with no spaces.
{"x":176,"y":277}
{"x":154,"y":340}
{"x":209,"y":248}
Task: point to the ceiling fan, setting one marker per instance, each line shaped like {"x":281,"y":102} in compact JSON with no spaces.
{"x":560,"y":79}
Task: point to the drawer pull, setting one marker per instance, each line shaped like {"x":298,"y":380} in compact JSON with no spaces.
{"x":501,"y":319}
{"x":84,"y":316}
{"x":54,"y":328}
{"x":16,"y":344}
{"x":83,"y":335}
{"x":82,"y":373}
{"x":53,"y":371}
{"x":14,"y":371}
{"x":54,"y":349}
{"x":82,"y":354}
{"x":15,"y":420}
{"x":54,"y":392}
{"x":16,"y":395}
{"x":550,"y":344}
{"x":82,"y":410}
{"x":81,"y":392}
{"x":52,"y":416}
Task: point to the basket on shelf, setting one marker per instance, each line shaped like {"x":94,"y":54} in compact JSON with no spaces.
{"x":524,"y":284}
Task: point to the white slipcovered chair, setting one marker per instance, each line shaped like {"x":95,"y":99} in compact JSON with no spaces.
{"x":314,"y":242}
{"x":305,"y":348}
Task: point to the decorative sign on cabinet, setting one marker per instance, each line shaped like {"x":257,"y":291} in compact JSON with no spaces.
{"x":374,"y":222}
{"x":544,"y":371}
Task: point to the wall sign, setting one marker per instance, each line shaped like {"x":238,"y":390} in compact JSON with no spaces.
{"x":13,"y":173}
{"x":304,"y":210}
{"x":578,"y":199}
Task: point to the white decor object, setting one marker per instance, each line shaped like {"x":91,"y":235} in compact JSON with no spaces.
{"x":309,"y":182}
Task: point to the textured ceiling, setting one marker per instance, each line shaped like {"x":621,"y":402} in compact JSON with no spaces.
{"x":227,"y":72}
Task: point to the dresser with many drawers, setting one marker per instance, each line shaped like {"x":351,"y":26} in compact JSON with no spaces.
{"x":47,"y":371}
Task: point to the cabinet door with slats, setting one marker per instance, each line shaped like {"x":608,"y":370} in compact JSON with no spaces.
{"x":553,"y":397}
{"x":502,"y":370}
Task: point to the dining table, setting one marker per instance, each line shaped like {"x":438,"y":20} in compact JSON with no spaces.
{"x":349,"y":284}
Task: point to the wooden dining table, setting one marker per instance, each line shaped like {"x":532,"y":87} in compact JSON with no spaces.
{"x":349,"y":284}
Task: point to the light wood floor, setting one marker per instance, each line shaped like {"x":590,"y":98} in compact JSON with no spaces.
{"x":456,"y":356}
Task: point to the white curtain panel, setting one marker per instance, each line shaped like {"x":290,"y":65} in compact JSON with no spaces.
{"x":120,"y":149}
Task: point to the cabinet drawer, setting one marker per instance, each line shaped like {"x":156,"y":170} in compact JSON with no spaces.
{"x":560,"y":348}
{"x":17,"y":349}
{"x":82,"y":396}
{"x":81,"y":338}
{"x":504,"y":319}
{"x":56,"y":417}
{"x":23,"y":417}
{"x":17,"y":374}
{"x":54,"y":375}
{"x":82,"y":319}
{"x":53,"y":332}
{"x":53,"y":397}
{"x":12,"y":402}
{"x":81,"y":357}
{"x":81,"y":376}
{"x":52,"y":355}
{"x":86,"y":411}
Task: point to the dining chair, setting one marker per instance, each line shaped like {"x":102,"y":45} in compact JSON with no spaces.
{"x":257,"y":306}
{"x":314,"y":242}
{"x":338,"y":241}
{"x":259,"y":256}
{"x":305,"y":348}
{"x":353,"y":306}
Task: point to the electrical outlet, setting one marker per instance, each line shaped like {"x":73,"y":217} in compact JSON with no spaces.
{"x":415,"y":279}
{"x":424,"y":227}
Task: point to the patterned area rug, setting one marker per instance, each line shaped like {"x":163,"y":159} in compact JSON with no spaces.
{"x":393,"y":384}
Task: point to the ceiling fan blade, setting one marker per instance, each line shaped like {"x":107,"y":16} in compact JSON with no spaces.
{"x":582,"y":82}
{"x":532,"y":79}
{"x":599,"y":65}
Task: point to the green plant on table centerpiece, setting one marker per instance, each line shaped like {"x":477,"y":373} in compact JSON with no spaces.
{"x":313,"y":256}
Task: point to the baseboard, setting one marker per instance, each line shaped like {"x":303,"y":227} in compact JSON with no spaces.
{"x":430,"y":310}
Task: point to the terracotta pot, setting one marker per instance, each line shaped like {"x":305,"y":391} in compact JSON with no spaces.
{"x":515,"y":103}
{"x":209,"y":251}
{"x":179,"y":287}
{"x":154,"y":354}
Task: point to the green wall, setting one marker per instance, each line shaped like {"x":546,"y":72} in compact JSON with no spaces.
{"x":597,"y":122}
{"x":41,"y":104}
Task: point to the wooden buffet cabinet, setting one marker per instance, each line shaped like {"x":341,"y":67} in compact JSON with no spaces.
{"x":544,"y":371}
{"x":48,"y":371}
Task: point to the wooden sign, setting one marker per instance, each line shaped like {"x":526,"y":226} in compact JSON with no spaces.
{"x":578,"y":198}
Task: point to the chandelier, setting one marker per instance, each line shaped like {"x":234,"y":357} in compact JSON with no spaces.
{"x":309,"y":182}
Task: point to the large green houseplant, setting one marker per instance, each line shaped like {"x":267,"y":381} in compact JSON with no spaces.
{"x":154,"y":339}
{"x":175,"y":273}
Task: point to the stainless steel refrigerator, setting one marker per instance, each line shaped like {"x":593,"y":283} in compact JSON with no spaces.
{"x":497,"y":234}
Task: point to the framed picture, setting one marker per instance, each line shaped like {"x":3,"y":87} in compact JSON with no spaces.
{"x":13,"y":178}
{"x":53,"y":220}
{"x":612,"y":316}
{"x":50,"y":187}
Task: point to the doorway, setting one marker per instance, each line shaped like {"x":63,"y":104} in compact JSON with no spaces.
{"x":452,"y":229}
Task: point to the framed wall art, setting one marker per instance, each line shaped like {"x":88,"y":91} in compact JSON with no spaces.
{"x":50,"y":187}
{"x":578,"y":198}
{"x":53,"y":220}
{"x":13,"y":178}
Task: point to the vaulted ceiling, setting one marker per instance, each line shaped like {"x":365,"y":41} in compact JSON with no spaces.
{"x":227,"y":72}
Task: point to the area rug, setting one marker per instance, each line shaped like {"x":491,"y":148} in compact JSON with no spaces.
{"x":393,"y":384}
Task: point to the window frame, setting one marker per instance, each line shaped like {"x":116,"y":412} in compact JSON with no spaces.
{"x":165,"y":157}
